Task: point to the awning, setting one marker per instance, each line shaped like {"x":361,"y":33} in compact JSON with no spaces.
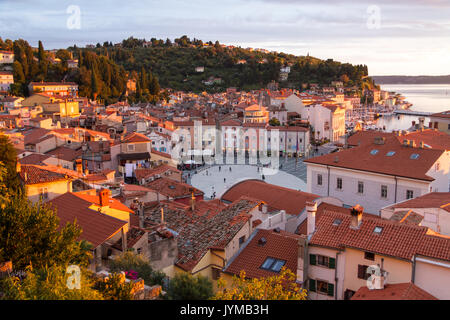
{"x":134,"y":156}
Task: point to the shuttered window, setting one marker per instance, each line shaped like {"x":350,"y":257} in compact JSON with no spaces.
{"x":331,"y":289}
{"x":312,"y":259}
{"x":312,"y":285}
{"x":332,"y":263}
{"x":362,"y":272}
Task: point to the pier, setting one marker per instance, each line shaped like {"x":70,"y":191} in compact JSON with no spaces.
{"x":413,"y":113}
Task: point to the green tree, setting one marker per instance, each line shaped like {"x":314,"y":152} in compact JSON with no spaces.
{"x":114,"y":287}
{"x":94,"y":85}
{"x":48,"y":283}
{"x":274,"y":122}
{"x":184,"y":286}
{"x":30,"y":233}
{"x":8,"y":157}
{"x":279,"y":287}
{"x":128,"y":261}
{"x":41,"y":52}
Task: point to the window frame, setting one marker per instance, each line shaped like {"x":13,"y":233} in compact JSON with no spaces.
{"x":384,"y":188}
{"x":409,"y":192}
{"x":272,"y":264}
{"x":369,"y":256}
{"x":339,"y":183}
{"x":360,"y":187}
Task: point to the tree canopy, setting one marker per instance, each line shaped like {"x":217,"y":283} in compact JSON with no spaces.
{"x":184,"y":286}
{"x":278,"y":287}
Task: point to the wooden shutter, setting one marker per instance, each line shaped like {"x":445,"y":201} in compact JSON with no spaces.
{"x":332,"y":263}
{"x":362,"y":271}
{"x":312,"y":259}
{"x":312,"y":285}
{"x":331,"y":289}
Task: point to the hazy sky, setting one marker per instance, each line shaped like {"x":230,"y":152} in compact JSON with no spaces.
{"x":409,"y":37}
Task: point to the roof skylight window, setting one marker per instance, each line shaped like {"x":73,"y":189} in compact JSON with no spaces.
{"x":378,"y":230}
{"x":272,"y":264}
{"x":390,"y":153}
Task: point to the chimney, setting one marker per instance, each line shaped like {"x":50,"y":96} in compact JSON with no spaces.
{"x":264,"y":208}
{"x":162,"y":215}
{"x":421,"y":123}
{"x":311,"y":209}
{"x":79,"y":166}
{"x":104,"y":197}
{"x":141,"y":214}
{"x":193,"y":202}
{"x":356,"y":216}
{"x":379,"y":140}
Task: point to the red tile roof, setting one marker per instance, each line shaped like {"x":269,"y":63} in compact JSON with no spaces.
{"x":396,"y":239}
{"x":279,"y":198}
{"x":135,"y":137}
{"x":398,"y":291}
{"x":303,"y":227}
{"x":433,"y":138}
{"x":162,"y":154}
{"x":65,"y":153}
{"x":113,"y":203}
{"x":444,"y":114}
{"x":172,"y":188}
{"x":97,"y":227}
{"x":34,"y":174}
{"x":400,"y":164}
{"x":144,"y":173}
{"x":429,"y":200}
{"x":211,"y":226}
{"x":282,"y":246}
{"x":34,"y":158}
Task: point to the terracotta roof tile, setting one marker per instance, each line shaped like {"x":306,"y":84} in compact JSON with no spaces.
{"x":172,"y":188}
{"x":280,"y":198}
{"x":398,"y":291}
{"x":396,"y":239}
{"x":34,"y":174}
{"x":97,"y":227}
{"x":282,"y":246}
{"x":400,"y":164}
{"x":211,"y":226}
{"x":429,"y":200}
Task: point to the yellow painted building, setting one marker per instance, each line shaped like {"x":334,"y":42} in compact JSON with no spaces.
{"x":43,"y":184}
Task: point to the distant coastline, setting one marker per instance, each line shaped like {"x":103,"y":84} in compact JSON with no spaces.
{"x":411,"y":79}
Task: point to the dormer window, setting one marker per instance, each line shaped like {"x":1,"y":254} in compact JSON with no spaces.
{"x":374,"y":152}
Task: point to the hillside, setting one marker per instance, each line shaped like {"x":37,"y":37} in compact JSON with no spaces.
{"x":225,"y":66}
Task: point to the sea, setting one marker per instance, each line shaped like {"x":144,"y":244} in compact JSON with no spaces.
{"x":424,"y":97}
